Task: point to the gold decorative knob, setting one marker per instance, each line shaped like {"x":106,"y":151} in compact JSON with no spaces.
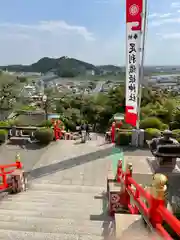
{"x":17,"y":157}
{"x":159,"y":186}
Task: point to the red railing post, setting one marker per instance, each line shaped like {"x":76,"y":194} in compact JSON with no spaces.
{"x":4,"y":180}
{"x":158,"y":198}
{"x":56,"y":131}
{"x":119,"y":171}
{"x":127,"y":183}
{"x":137,"y":195}
{"x":18,"y":163}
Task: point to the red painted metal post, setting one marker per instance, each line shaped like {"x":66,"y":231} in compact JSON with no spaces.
{"x":157,"y":198}
{"x":127,"y":183}
{"x":154,"y":216}
{"x":4,"y":180}
{"x":56,"y":133}
{"x":137,"y":195}
{"x":113,"y":130}
{"x":18,"y":163}
{"x":119,"y":171}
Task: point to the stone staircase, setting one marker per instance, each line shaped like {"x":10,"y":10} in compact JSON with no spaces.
{"x":65,"y":199}
{"x":52,"y":211}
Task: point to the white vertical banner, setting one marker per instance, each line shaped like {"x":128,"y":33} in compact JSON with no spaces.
{"x":133,"y":44}
{"x":133,"y":64}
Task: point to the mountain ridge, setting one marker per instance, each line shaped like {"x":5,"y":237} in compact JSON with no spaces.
{"x":61,"y":65}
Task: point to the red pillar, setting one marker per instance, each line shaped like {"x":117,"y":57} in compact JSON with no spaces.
{"x":113,"y":130}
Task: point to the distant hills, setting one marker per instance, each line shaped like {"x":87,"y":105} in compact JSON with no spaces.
{"x":71,"y":67}
{"x":62,"y":66}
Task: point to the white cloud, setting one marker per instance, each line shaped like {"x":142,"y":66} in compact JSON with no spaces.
{"x":169,"y":35}
{"x":21,"y":43}
{"x":175,"y":4}
{"x":49,"y":27}
{"x":164,"y":21}
{"x":159,"y":15}
{"x":153,"y":15}
{"x":165,"y":15}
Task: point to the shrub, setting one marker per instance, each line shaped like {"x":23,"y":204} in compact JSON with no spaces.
{"x":44,"y":135}
{"x":15,"y":122}
{"x":125,"y":125}
{"x":174,"y":125}
{"x":4,"y":123}
{"x":69,"y":124}
{"x":3,"y":135}
{"x":176,"y":134}
{"x":164,"y":126}
{"x":46,"y":123}
{"x":123,"y":138}
{"x":151,"y":122}
{"x":151,"y":133}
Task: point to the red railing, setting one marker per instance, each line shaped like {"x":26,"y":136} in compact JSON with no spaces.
{"x":155,"y":210}
{"x":4,"y":174}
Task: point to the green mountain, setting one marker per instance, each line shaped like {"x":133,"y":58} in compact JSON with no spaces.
{"x":63,"y":66}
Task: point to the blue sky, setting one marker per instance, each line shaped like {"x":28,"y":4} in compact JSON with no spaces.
{"x":90,"y":30}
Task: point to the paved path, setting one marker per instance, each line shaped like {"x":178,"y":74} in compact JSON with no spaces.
{"x":29,"y":153}
{"x":69,"y":162}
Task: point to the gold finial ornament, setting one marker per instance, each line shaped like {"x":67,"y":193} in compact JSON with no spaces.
{"x":17,"y":158}
{"x":130,"y":167}
{"x":159,"y":186}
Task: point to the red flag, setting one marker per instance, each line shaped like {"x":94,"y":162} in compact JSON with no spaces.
{"x":130,"y":117}
{"x":134,"y":10}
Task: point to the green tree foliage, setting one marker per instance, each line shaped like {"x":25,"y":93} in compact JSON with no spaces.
{"x":9,"y":91}
{"x":158,"y":109}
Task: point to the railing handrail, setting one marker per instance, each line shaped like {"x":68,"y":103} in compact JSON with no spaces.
{"x":3,"y":174}
{"x":169,"y":218}
{"x":161,"y":210}
{"x":8,"y":165}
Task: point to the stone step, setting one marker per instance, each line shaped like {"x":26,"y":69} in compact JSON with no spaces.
{"x":58,"y":199}
{"x":53,"y":226}
{"x":65,"y":188}
{"x":54,"y":221}
{"x":23,"y":235}
{"x":58,"y":204}
{"x":36,"y":194}
{"x":44,"y":211}
{"x":63,"y":214}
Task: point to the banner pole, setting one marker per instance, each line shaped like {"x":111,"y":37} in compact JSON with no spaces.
{"x":142,"y":62}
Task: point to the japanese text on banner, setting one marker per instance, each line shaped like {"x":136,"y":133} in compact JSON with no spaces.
{"x":133,"y":67}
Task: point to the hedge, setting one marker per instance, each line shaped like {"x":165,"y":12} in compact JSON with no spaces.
{"x":152,"y":122}
{"x":3,"y":135}
{"x":46,"y":123}
{"x":123,"y":138}
{"x":176,"y":134}
{"x":4,"y":124}
{"x":151,"y":133}
{"x":44,"y":135}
